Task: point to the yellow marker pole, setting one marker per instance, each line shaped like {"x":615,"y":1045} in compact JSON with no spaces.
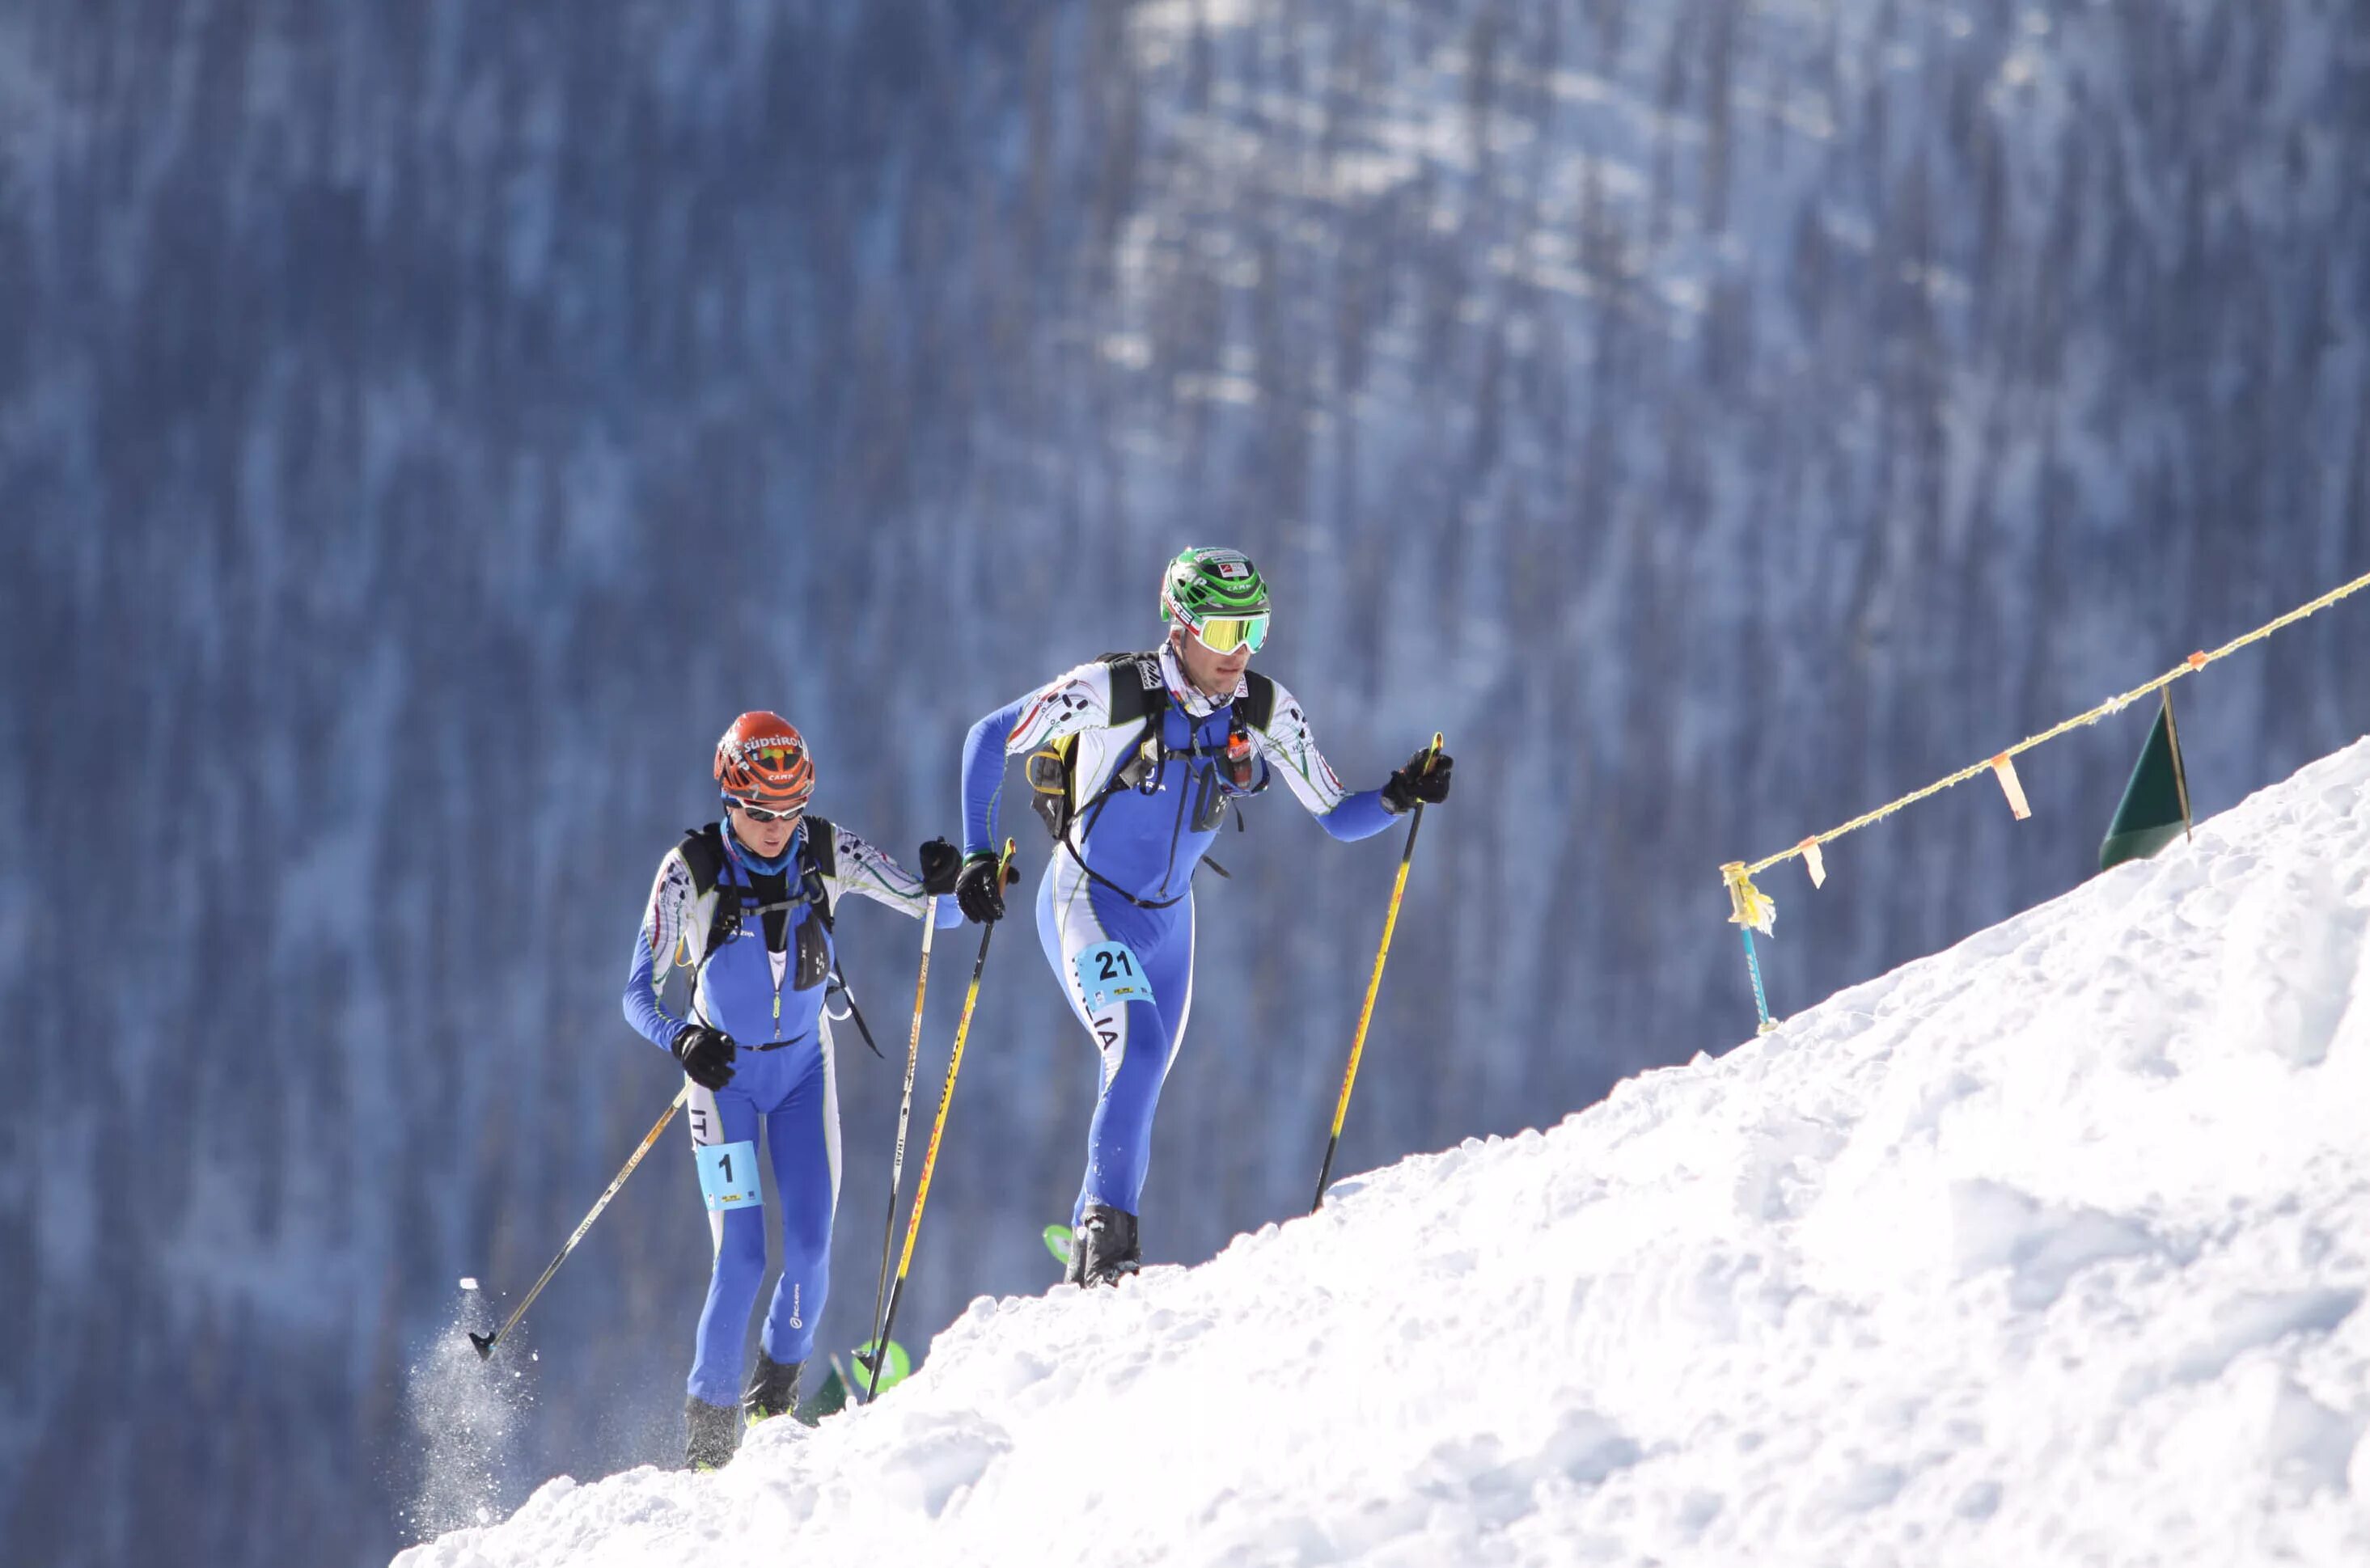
{"x":1755,"y":911}
{"x":1374,"y":985}
{"x":486,"y":1342}
{"x":937,"y":1131}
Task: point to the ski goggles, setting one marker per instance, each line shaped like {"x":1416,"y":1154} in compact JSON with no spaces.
{"x":764,"y":814}
{"x":1225,"y":634}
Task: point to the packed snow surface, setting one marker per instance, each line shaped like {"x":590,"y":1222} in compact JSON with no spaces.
{"x":2049,"y":1249}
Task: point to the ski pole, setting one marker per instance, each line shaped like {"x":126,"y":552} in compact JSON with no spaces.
{"x":1373,"y":984}
{"x":905,"y":1117}
{"x":486,"y":1342}
{"x":930,"y":1154}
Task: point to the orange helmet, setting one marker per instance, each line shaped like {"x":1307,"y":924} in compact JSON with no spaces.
{"x":762,"y":761}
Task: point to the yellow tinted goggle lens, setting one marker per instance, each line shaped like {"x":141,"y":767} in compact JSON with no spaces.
{"x":1225,"y":634}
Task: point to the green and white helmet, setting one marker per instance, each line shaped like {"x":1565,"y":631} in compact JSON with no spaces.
{"x":1218,"y":593}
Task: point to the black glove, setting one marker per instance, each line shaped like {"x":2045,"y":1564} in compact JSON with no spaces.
{"x":979,"y":892}
{"x":1412,"y":784}
{"x":706,"y":1055}
{"x":940,"y":860}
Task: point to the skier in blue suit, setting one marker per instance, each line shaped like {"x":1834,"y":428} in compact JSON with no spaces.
{"x":1134,"y":759}
{"x":746,"y":904}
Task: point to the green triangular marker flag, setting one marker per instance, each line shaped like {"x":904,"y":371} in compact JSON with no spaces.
{"x":2154,"y":809}
{"x":892,"y":1374}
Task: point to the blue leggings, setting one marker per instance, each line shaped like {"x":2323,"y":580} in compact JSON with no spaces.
{"x":795,"y":1093}
{"x":1136,"y":1038}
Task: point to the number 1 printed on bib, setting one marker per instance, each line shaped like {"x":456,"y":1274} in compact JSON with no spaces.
{"x":728,"y":1175}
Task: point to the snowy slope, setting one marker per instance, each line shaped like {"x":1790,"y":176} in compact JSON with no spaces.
{"x":423,"y":426}
{"x":2050,"y":1249}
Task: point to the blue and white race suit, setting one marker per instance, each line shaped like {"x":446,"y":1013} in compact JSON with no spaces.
{"x":1143,"y":845}
{"x":756,"y":988}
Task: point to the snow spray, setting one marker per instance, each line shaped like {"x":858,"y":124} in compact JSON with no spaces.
{"x":463,"y":1416}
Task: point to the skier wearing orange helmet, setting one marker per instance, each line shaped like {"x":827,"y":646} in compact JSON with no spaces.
{"x":745,"y":905}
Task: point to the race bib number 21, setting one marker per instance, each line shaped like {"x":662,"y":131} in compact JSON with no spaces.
{"x":1109,"y":974}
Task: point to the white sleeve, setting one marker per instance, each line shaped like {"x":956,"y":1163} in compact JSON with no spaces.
{"x":1079,"y":699}
{"x":1291,"y":751}
{"x":673,"y":937}
{"x":859,"y":867}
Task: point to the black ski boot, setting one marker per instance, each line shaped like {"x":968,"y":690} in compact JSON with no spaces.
{"x":714,"y":1431}
{"x":1103,"y":1247}
{"x":773,"y":1389}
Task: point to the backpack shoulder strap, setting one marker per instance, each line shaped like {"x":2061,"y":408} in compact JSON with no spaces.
{"x":1137,"y":687}
{"x":703,"y":856}
{"x":821,"y":854}
{"x":1258,"y":703}
{"x":823,"y":844}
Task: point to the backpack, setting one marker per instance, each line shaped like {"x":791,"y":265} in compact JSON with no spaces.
{"x":1053,"y":767}
{"x":703,"y":856}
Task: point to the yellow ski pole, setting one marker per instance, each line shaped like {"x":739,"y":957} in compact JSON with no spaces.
{"x":879,"y":1345}
{"x":937,"y":1131}
{"x":1374,"y":985}
{"x":486,"y":1342}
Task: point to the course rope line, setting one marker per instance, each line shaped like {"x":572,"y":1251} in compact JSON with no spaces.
{"x":1756,"y":910}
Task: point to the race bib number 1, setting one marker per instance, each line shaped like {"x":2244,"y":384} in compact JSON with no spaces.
{"x":1109,"y":974}
{"x":728,"y":1175}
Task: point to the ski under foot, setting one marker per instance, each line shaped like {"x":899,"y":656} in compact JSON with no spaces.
{"x":847,"y":1385}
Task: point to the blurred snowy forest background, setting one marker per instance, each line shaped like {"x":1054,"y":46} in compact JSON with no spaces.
{"x":424,"y":424}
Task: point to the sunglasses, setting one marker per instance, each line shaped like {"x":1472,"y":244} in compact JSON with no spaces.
{"x":759,"y":814}
{"x":1225,"y":634}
